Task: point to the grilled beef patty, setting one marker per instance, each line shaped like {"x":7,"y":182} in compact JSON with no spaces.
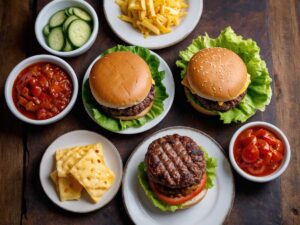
{"x":175,"y":161}
{"x":133,"y":110}
{"x":214,"y":106}
{"x":175,"y":192}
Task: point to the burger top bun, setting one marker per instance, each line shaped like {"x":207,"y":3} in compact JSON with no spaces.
{"x":217,"y":74}
{"x":120,"y":80}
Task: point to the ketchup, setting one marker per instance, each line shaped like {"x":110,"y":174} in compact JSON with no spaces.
{"x":258,"y":151}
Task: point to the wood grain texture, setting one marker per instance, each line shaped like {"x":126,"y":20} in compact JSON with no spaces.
{"x":248,"y":18}
{"x":285,"y":28}
{"x":13,"y":50}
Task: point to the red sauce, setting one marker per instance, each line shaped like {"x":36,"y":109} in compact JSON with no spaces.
{"x":258,"y":151}
{"x":42,"y":90}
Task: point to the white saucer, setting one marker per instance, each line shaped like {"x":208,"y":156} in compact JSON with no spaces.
{"x":81,"y":137}
{"x":132,"y":36}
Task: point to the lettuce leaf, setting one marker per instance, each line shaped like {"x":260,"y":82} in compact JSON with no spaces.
{"x":259,"y":92}
{"x":211,"y":164}
{"x":112,"y":124}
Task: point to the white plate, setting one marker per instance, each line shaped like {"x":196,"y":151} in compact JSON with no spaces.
{"x":212,"y":210}
{"x":81,"y":137}
{"x":170,"y":88}
{"x":132,"y":36}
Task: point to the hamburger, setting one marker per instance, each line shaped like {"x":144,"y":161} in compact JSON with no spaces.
{"x":175,"y":172}
{"x":122,"y":84}
{"x":216,"y":80}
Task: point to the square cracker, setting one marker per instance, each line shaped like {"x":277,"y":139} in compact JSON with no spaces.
{"x":68,"y":188}
{"x":92,"y":173}
{"x":67,"y":158}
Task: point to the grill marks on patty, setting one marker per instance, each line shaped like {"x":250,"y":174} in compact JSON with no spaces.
{"x":175,"y":161}
{"x":214,"y":106}
{"x":133,"y":110}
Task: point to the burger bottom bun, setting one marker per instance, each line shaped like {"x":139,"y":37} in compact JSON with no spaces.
{"x":141,"y":114}
{"x":198,"y":107}
{"x":195,"y":200}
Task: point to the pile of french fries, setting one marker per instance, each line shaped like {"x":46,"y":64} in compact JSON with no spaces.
{"x":152,"y":16}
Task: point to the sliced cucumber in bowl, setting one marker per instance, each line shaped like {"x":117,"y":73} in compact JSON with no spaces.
{"x":56,"y":39}
{"x":57,"y":19}
{"x":79,"y":32}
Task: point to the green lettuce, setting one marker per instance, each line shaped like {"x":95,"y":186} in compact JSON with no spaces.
{"x":211,"y":164}
{"x":112,"y":124}
{"x":259,"y":92}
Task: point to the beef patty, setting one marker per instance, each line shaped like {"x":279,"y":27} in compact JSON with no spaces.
{"x":175,"y":161}
{"x":214,"y":106}
{"x":132,"y":110}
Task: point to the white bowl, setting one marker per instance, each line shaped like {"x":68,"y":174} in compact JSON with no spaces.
{"x":27,"y":62}
{"x":280,"y":135}
{"x":54,"y":6}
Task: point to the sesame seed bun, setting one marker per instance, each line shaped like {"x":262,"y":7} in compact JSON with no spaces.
{"x":198,"y":198}
{"x":120,"y":80}
{"x":217,"y":74}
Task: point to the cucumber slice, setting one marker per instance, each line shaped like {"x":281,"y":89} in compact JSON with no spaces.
{"x":57,"y":19}
{"x":67,"y":12}
{"x":68,"y":21}
{"x":68,"y":46}
{"x":79,"y":32}
{"x":46,"y":30}
{"x":56,"y":39}
{"x":70,"y":11}
{"x":82,"y":14}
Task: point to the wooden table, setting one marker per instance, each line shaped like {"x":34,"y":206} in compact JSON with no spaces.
{"x":274,"y":24}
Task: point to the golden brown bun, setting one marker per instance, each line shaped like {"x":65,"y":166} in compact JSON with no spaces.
{"x":198,"y":107}
{"x":217,"y":74}
{"x":120,"y":80}
{"x":198,"y":198}
{"x":141,"y":114}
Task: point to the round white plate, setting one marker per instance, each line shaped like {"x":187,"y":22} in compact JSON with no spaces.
{"x":132,"y":36}
{"x":170,"y":88}
{"x":81,"y":137}
{"x":212,"y":210}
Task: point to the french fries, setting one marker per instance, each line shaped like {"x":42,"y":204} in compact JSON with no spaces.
{"x":152,"y":16}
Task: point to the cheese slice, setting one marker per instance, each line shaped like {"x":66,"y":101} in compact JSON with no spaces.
{"x":185,"y":83}
{"x":67,"y":158}
{"x":92,"y":173}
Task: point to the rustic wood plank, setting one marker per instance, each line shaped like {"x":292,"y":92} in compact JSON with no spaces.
{"x":285,"y":27}
{"x":248,"y":18}
{"x":14,"y":16}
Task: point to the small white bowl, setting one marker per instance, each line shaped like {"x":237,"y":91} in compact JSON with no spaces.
{"x":280,"y":135}
{"x":54,"y":6}
{"x":27,"y":62}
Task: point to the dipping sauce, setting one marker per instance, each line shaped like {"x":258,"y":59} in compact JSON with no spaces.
{"x":42,"y":90}
{"x":258,"y":151}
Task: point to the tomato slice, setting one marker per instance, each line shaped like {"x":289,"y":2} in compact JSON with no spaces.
{"x":256,"y":171}
{"x":250,"y":153}
{"x":179,"y":200}
{"x":249,"y":140}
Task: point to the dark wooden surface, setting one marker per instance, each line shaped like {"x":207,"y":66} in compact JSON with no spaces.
{"x":274,"y":24}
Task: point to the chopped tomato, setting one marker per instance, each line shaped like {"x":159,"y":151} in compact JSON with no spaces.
{"x":258,"y":151}
{"x":179,"y":200}
{"x":250,"y":154}
{"x":42,"y":90}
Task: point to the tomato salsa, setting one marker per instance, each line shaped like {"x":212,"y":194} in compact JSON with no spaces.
{"x":42,"y":90}
{"x":258,"y":151}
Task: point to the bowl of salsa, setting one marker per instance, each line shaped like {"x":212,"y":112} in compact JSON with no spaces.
{"x":41,"y":89}
{"x":259,"y":151}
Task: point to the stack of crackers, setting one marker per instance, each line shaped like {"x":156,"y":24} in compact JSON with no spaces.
{"x":81,"y":167}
